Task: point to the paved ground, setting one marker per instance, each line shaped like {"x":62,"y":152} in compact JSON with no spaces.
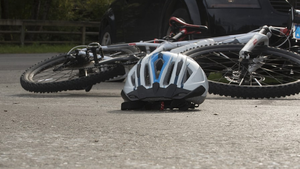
{"x":76,"y":129}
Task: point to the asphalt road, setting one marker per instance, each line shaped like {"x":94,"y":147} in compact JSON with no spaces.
{"x":76,"y":129}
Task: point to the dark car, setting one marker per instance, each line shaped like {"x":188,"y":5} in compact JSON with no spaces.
{"x":135,"y":20}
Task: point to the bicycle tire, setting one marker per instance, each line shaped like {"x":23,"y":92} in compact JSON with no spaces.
{"x":41,"y":78}
{"x":278,"y":76}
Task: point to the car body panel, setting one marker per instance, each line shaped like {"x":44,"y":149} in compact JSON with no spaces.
{"x":224,"y":21}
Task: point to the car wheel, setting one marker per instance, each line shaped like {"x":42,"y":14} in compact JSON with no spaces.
{"x":105,"y":38}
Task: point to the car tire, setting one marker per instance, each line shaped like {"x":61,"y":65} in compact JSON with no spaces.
{"x":105,"y":38}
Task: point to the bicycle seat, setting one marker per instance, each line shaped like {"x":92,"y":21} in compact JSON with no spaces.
{"x":176,"y":23}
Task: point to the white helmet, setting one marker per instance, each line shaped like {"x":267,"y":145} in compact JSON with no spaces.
{"x":165,"y":80}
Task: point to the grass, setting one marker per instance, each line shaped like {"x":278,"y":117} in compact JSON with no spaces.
{"x":35,"y":48}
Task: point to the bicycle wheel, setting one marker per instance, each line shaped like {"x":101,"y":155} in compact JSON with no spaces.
{"x":59,"y":73}
{"x":275,"y":72}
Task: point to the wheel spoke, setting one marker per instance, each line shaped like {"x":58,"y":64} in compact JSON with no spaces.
{"x":55,"y":76}
{"x":275,"y":69}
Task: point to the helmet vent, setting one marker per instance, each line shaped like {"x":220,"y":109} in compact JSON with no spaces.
{"x":158,"y":66}
{"x":179,"y":66}
{"x":169,"y":74}
{"x":187,"y":75}
{"x":147,"y":76}
{"x":132,"y":78}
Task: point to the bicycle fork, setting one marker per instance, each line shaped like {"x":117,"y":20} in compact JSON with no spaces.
{"x":249,"y":66}
{"x":261,"y":37}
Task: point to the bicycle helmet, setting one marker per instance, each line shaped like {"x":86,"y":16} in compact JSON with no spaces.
{"x":165,"y":80}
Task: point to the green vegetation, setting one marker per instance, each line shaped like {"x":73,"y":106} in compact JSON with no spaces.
{"x":35,"y":48}
{"x":57,"y":10}
{"x":71,"y":10}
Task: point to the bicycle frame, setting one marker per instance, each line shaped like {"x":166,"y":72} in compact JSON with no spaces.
{"x":182,"y":46}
